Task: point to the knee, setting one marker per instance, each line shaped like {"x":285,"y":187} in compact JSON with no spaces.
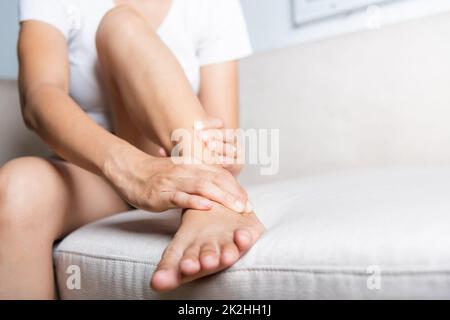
{"x":22,"y":183}
{"x":120,"y":24}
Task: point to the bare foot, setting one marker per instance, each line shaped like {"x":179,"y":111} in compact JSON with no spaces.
{"x":206,"y":242}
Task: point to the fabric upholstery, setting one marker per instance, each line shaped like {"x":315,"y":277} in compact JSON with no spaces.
{"x":325,"y":234}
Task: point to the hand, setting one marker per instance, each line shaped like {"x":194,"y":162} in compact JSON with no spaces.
{"x":158,"y":184}
{"x":222,"y":143}
{"x":225,"y":144}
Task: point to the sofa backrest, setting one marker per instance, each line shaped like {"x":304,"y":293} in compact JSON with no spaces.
{"x":367,"y":99}
{"x":371,"y":98}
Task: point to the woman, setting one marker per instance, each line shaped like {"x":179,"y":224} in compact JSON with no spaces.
{"x":105,"y":83}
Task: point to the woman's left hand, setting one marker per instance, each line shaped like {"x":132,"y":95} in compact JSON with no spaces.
{"x":224,"y":143}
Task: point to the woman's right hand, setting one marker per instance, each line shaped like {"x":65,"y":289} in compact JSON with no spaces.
{"x":158,"y":184}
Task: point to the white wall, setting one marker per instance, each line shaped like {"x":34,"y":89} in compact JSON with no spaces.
{"x":8,"y":38}
{"x":269,"y":21}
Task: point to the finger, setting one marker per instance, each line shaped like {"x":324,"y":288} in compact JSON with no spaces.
{"x":209,"y":123}
{"x":208,"y":168}
{"x":189,"y":179}
{"x":225,"y":149}
{"x":162,"y":152}
{"x":214,"y":123}
{"x":207,"y":189}
{"x":211,"y":134}
{"x":235,"y":170}
{"x":226,"y":181}
{"x":225,"y":135}
{"x":179,"y":199}
{"x":226,"y":161}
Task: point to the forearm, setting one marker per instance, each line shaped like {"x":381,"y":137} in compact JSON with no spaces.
{"x":54,"y":116}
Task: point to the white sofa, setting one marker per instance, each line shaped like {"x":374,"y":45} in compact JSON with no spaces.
{"x":361,"y":205}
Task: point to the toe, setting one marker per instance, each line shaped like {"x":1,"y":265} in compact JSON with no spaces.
{"x":230,"y":254}
{"x":165,"y":280}
{"x":190,"y":263}
{"x":167,"y":275}
{"x":243,"y":239}
{"x":209,"y":256}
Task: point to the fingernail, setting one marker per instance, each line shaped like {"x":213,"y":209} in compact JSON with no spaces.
{"x":205,"y":203}
{"x":248,"y":207}
{"x":198,"y":125}
{"x":218,"y":122}
{"x":239,"y":206}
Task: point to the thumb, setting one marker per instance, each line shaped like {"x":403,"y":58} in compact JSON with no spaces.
{"x":209,"y":123}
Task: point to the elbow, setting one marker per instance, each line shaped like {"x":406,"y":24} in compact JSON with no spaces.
{"x":28,"y":114}
{"x":28,"y":117}
{"x":32,"y":102}
{"x":26,"y":107}
{"x":29,"y":102}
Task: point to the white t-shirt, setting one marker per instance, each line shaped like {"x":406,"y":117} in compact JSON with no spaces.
{"x":198,"y":32}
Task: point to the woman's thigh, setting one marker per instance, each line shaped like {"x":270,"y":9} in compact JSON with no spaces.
{"x":54,"y":195}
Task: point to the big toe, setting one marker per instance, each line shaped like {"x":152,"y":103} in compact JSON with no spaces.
{"x":165,"y":280}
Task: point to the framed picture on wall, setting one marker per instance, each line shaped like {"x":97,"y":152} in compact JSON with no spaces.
{"x":309,"y":11}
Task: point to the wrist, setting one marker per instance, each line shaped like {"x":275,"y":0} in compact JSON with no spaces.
{"x":121,"y":159}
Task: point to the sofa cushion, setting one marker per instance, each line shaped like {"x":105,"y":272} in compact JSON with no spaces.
{"x":373,"y":234}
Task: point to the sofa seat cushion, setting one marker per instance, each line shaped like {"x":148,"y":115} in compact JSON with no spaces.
{"x":383,"y":233}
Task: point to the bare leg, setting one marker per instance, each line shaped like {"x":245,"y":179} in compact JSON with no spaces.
{"x":145,"y":74}
{"x":153,"y":97}
{"x":40,"y":201}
